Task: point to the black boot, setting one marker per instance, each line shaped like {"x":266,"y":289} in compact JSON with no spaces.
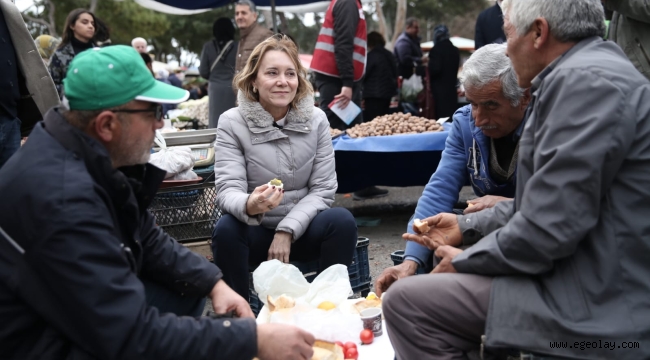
{"x":372,"y":192}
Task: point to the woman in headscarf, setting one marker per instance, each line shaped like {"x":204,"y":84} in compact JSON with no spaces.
{"x":218,"y":59}
{"x":444,"y":60}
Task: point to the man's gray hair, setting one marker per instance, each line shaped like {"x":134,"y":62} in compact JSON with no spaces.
{"x":568,"y":20}
{"x":411,"y":21}
{"x":137,"y":40}
{"x":249,"y":3}
{"x":490,"y":63}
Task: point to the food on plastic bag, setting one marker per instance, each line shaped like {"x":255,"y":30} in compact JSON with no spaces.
{"x":282,"y":302}
{"x":326,"y":305}
{"x":324,"y":350}
{"x":275,"y":278}
{"x":367,"y":304}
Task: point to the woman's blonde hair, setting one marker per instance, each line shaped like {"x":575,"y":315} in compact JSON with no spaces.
{"x":278,"y":42}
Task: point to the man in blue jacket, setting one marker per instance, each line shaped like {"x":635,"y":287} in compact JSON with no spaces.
{"x":85,"y":273}
{"x":481,"y":149}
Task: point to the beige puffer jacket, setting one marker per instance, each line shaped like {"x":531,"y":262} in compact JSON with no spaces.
{"x":630,"y":29}
{"x":250,"y":152}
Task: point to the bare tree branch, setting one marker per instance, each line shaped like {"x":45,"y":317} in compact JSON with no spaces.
{"x":383,"y":29}
{"x":93,"y":6}
{"x":400,"y":19}
{"x":52,"y":25}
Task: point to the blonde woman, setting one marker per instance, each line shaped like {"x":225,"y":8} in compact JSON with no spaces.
{"x":276,"y":132}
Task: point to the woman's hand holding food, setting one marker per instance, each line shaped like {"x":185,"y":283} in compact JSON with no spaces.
{"x":280,"y":247}
{"x":484,"y":202}
{"x":264,"y":198}
{"x":436,"y":231}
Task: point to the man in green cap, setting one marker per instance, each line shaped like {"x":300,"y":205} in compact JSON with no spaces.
{"x":85,"y":272}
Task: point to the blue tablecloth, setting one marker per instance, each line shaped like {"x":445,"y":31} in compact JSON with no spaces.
{"x":434,"y":141}
{"x":396,"y":160}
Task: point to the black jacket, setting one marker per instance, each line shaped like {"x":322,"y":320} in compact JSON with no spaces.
{"x":489,"y":27}
{"x":381,"y":74}
{"x":409,"y":55}
{"x":76,"y":292}
{"x":444,"y":60}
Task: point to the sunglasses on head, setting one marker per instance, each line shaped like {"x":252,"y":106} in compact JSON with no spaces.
{"x":157,"y":110}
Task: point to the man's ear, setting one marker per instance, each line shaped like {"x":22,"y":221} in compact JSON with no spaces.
{"x":541,"y":32}
{"x":106,"y":126}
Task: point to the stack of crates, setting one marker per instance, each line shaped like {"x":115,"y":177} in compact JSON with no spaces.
{"x":359,"y":272}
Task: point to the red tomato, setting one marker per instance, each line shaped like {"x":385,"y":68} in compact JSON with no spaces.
{"x":349,"y":345}
{"x":366,"y":336}
{"x":352,"y":353}
{"x":340,"y":344}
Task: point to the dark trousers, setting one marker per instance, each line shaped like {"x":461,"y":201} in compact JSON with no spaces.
{"x":9,"y":137}
{"x":331,"y":237}
{"x":167,"y":301}
{"x":329,"y":87}
{"x":437,"y":316}
{"x":375,"y":107}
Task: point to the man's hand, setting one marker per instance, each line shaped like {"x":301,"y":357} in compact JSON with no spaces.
{"x":283,"y":342}
{"x":484,"y":202}
{"x":280,"y":247}
{"x":224,"y":299}
{"x":444,"y":231}
{"x":344,"y":97}
{"x":264,"y":198}
{"x":447,"y":254}
{"x":394,"y":273}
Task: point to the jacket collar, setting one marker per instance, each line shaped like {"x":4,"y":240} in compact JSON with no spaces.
{"x":260,"y":120}
{"x":245,"y":32}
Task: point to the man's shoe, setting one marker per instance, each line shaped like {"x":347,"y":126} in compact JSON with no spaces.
{"x":372,"y":192}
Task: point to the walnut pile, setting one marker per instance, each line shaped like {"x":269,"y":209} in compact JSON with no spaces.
{"x":394,"y":124}
{"x":335,"y":132}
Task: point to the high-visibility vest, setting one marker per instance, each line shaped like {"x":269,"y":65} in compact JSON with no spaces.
{"x":324,"y":60}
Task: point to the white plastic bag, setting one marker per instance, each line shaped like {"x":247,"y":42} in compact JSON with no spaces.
{"x":175,"y":160}
{"x":411,"y":87}
{"x":333,"y":284}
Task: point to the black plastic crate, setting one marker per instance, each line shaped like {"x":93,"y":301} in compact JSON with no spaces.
{"x":187,"y":213}
{"x":359,"y":272}
{"x":397,"y":257}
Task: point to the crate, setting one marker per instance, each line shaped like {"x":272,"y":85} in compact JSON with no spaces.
{"x":359,"y":272}
{"x":187,"y":213}
{"x":397,"y":257}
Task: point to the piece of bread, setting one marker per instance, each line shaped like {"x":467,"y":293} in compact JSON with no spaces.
{"x":324,"y":350}
{"x":366,"y":304}
{"x":420,"y":226}
{"x":277,"y":183}
{"x":282,"y":302}
{"x":469,"y":204}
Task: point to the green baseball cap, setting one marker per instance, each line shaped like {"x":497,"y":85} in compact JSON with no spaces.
{"x":102,"y":78}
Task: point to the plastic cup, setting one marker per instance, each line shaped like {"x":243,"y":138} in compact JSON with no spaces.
{"x":371,"y":318}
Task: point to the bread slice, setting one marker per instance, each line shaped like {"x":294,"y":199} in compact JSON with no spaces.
{"x":367,"y":304}
{"x":282,"y":302}
{"x":324,"y":350}
{"x":420,"y":226}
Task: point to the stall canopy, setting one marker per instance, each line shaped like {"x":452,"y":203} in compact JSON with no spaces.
{"x":459,"y":42}
{"x":180,"y":7}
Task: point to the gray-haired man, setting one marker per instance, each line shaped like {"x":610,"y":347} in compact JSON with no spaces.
{"x":562,"y":270}
{"x":250,"y":32}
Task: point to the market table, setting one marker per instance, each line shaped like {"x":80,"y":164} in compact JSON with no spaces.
{"x":395,"y":160}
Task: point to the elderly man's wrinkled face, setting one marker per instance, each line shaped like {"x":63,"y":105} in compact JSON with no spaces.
{"x":138,"y":130}
{"x":492,"y":111}
{"x":521,"y":52}
{"x":244,"y":17}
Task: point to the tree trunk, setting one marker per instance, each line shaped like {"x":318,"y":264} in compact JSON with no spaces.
{"x":93,"y":6}
{"x":268,"y":19}
{"x":284,"y":28}
{"x":383,"y":29}
{"x":400,"y":19}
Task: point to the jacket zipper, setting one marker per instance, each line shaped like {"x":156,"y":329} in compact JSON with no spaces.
{"x":647,"y":57}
